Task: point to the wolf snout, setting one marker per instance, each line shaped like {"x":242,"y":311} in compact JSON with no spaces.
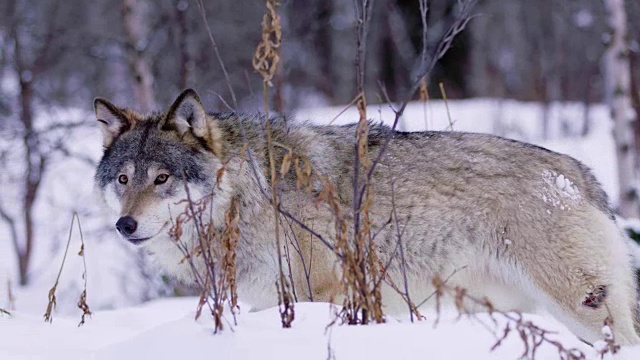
{"x":126,"y":225}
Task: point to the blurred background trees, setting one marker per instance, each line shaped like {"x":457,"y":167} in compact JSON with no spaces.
{"x":547,"y":50}
{"x":56,"y":54}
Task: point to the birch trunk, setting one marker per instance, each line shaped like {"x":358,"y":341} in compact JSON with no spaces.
{"x":618,"y":80}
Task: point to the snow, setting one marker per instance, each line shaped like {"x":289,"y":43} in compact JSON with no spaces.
{"x":122,"y":327}
{"x":165,"y":329}
{"x":607,"y":333}
{"x":559,"y":192}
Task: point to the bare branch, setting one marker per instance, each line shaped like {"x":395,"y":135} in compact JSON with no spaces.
{"x":427,"y":64}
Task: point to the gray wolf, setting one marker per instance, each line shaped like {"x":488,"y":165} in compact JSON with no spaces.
{"x":532,"y":228}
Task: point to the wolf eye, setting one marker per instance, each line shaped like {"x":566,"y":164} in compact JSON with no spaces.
{"x":161,"y":179}
{"x":123,"y":179}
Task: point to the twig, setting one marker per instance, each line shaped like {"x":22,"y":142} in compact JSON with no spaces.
{"x":446,"y":105}
{"x":455,"y":271}
{"x":343,"y":110}
{"x":426,"y":66}
{"x":532,"y":336}
{"x":403,"y":263}
{"x":217,"y":52}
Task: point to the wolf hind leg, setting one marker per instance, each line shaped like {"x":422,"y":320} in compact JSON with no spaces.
{"x":585,"y":275}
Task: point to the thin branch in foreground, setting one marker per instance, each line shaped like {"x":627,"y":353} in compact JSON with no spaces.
{"x":359,"y":263}
{"x":217,"y":52}
{"x":533,"y":337}
{"x":413,"y":310}
{"x":427,"y":63}
{"x":4,"y":312}
{"x":298,"y":248}
{"x":446,"y":105}
{"x":446,"y":280}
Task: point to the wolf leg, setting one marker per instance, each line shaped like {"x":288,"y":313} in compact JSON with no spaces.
{"x":584,"y":275}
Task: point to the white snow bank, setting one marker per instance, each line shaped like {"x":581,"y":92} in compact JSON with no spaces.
{"x":166,"y":330}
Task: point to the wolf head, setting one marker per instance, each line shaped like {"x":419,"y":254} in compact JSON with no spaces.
{"x":150,"y":162}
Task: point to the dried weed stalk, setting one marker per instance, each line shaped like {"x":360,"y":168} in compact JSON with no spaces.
{"x":82,"y":301}
{"x":532,"y":336}
{"x":608,"y":343}
{"x":362,"y":270}
{"x":360,"y":263}
{"x":265,"y":62}
{"x":424,"y":98}
{"x":52,"y":300}
{"x":360,"y":266}
{"x":11,"y":299}
{"x":267,"y":56}
{"x":446,"y":105}
{"x":213,"y":257}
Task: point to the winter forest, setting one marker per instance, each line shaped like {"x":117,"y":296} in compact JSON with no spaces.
{"x":563,"y":75}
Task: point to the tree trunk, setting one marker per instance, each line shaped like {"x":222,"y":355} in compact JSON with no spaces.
{"x":618,"y":75}
{"x":343,"y":52}
{"x":181,"y":7}
{"x":34,"y":159}
{"x":136,"y":29}
{"x":31,"y":179}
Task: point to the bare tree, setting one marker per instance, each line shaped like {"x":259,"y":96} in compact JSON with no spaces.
{"x":136,"y":29}
{"x":342,"y":51}
{"x":181,"y":7}
{"x":28,"y":63}
{"x":618,"y":80}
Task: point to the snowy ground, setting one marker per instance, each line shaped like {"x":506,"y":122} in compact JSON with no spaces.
{"x":166,"y":329}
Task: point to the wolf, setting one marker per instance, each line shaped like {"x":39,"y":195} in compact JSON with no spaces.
{"x":526,"y":227}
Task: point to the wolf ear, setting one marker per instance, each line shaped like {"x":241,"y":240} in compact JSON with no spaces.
{"x":113,"y":121}
{"x":187,"y":115}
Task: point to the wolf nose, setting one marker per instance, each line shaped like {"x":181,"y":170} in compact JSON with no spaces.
{"x":126,"y":225}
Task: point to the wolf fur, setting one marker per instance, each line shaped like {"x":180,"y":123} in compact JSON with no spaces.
{"x":531,"y":229}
